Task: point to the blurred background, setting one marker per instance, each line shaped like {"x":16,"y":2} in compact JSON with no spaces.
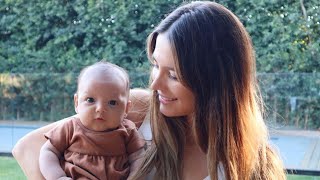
{"x":44,"y":44}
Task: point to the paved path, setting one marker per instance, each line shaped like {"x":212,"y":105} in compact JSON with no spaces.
{"x":12,"y":131}
{"x":10,"y":135}
{"x":298,"y":149}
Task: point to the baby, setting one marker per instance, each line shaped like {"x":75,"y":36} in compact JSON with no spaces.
{"x":98,"y":142}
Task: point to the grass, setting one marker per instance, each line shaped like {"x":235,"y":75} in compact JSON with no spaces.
{"x":10,"y":170}
{"x":299,"y":177}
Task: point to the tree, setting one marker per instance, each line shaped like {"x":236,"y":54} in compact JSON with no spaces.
{"x":61,"y":37}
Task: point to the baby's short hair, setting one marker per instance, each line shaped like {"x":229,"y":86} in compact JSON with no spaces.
{"x":107,"y":66}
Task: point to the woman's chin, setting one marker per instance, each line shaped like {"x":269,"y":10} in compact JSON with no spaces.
{"x":169,"y":112}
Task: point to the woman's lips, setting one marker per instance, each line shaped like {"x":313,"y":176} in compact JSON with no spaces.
{"x":165,"y":100}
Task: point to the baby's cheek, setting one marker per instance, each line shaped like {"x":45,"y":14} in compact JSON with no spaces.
{"x":116,"y":109}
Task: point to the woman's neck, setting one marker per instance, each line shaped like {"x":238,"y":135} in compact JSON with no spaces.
{"x":194,"y":161}
{"x":190,"y":135}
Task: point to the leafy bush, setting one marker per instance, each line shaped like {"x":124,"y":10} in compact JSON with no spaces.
{"x":44,"y":44}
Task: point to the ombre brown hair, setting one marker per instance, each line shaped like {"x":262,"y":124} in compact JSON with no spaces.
{"x":214,"y":58}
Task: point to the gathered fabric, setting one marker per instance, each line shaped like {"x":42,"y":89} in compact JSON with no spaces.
{"x":93,"y":155}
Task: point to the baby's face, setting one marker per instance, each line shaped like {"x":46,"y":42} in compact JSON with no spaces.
{"x":101,"y":102}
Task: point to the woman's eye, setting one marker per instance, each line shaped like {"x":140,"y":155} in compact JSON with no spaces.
{"x":154,"y":65}
{"x":90,"y":100}
{"x":112,"y":103}
{"x":173,"y":77}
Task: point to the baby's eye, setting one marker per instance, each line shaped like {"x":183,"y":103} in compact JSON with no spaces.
{"x":90,"y":100}
{"x":112,"y":103}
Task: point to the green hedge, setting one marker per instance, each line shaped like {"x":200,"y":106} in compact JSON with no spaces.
{"x":44,"y":44}
{"x":291,"y":99}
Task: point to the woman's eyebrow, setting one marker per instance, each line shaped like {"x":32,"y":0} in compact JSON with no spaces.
{"x":168,"y":67}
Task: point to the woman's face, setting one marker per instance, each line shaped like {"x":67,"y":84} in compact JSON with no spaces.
{"x":175,"y":99}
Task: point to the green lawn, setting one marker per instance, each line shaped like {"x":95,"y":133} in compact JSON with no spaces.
{"x":10,"y":170}
{"x":296,"y":177}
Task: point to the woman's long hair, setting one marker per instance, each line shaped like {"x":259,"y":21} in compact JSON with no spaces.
{"x":214,"y":58}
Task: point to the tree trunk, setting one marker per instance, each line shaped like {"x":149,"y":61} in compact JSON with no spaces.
{"x":304,"y":12}
{"x":306,"y":118}
{"x":18,"y":114}
{"x":275,"y":104}
{"x":297,"y":119}
{"x":41,"y":116}
{"x":51,"y":111}
{"x":287,"y":114}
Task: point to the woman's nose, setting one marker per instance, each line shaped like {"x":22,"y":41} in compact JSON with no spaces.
{"x":156,"y":82}
{"x":157,"y":79}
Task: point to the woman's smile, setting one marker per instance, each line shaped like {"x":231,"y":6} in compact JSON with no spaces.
{"x":166,"y":100}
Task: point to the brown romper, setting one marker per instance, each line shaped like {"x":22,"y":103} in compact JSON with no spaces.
{"x":95,"y":155}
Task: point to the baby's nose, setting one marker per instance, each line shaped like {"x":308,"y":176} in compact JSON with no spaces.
{"x":100,"y":107}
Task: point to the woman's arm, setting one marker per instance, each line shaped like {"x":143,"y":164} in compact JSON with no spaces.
{"x":139,"y":105}
{"x":27,"y":151}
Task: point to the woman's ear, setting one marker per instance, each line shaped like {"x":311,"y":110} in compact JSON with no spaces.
{"x":75,"y":99}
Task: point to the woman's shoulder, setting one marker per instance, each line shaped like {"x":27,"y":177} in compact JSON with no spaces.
{"x":66,"y":120}
{"x":128,"y":124}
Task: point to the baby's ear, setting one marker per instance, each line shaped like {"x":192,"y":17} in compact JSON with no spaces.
{"x":75,"y":99}
{"x":128,"y":107}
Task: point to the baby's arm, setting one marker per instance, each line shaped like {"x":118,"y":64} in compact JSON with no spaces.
{"x":49,"y":162}
{"x":135,"y":159}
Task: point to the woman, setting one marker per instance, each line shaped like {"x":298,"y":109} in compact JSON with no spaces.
{"x":206,"y":117}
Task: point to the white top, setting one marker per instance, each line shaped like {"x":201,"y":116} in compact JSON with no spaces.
{"x":145,"y":130}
